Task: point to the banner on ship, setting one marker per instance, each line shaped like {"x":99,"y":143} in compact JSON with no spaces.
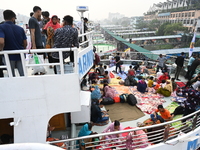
{"x":85,"y":61}
{"x":192,"y":45}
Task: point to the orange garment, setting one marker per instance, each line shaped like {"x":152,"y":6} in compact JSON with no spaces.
{"x":165,"y":115}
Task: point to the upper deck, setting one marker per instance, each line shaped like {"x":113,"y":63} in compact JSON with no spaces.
{"x":31,"y":100}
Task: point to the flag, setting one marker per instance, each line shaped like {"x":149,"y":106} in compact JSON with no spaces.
{"x":192,"y":45}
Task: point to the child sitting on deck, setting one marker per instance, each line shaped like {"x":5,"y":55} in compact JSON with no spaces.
{"x":151,"y":85}
{"x":142,"y":86}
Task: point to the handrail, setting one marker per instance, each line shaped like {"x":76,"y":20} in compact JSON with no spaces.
{"x":125,"y":131}
{"x":22,"y":53}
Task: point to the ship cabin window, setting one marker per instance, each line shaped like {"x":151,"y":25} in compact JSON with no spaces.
{"x":7,"y":131}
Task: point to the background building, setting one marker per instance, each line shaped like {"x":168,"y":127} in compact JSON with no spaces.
{"x":175,"y":11}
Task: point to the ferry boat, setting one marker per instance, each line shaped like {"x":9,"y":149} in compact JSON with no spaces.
{"x":30,"y":102}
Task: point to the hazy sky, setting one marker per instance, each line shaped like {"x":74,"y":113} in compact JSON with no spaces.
{"x":98,"y":9}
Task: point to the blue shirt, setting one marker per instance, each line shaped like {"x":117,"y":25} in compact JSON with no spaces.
{"x":14,"y":37}
{"x":191,"y":61}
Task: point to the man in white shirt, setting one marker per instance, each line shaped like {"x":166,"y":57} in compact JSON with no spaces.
{"x":161,"y":62}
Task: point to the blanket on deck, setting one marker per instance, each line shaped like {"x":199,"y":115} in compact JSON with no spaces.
{"x":147,"y":102}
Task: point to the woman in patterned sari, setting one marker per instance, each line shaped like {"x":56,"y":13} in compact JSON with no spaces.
{"x":50,"y":27}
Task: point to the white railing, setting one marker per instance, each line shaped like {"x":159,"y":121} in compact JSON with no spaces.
{"x":168,"y":135}
{"x":26,"y":65}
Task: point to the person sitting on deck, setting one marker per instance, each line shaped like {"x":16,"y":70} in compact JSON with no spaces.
{"x":196,"y":84}
{"x":190,"y":82}
{"x":108,"y":91}
{"x":192,"y":100}
{"x":107,"y":77}
{"x":151,"y":85}
{"x":100,"y":70}
{"x":85,"y":131}
{"x":97,"y":115}
{"x":165,"y":114}
{"x":142,"y":86}
{"x":155,"y":135}
{"x":115,"y":126}
{"x":166,"y":90}
{"x":131,"y":71}
{"x":93,"y":78}
{"x":165,"y":76}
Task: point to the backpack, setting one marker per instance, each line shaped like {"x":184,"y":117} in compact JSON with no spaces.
{"x":123,"y":98}
{"x":127,"y":82}
{"x":108,"y":101}
{"x":131,"y":100}
{"x":96,"y":94}
{"x":133,"y":82}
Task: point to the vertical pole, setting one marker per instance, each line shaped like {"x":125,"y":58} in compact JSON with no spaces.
{"x":82,"y":20}
{"x":76,"y":63}
{"x":61,"y":62}
{"x":23,"y":64}
{"x":73,"y":134}
{"x":7,"y":61}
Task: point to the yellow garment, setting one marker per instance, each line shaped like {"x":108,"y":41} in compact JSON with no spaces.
{"x":50,"y":34}
{"x":150,"y":83}
{"x":169,"y":86}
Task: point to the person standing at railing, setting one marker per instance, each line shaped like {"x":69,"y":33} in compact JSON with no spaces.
{"x":12,"y":37}
{"x":50,"y":28}
{"x":179,"y":62}
{"x":36,"y":36}
{"x":66,"y":37}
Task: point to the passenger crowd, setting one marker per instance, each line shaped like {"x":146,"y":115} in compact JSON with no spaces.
{"x":161,"y":84}
{"x":45,"y":32}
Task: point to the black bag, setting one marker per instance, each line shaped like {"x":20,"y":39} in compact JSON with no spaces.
{"x":123,"y":98}
{"x":108,"y":101}
{"x":133,"y":82}
{"x":127,"y":82}
{"x":131,"y":100}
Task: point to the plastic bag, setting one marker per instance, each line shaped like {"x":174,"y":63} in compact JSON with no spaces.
{"x":37,"y":59}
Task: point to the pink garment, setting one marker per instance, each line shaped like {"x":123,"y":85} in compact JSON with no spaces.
{"x":110,"y":128}
{"x":139,"y":137}
{"x":50,"y":24}
{"x":109,"y":92}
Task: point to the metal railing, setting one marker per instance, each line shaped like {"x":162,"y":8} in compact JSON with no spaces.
{"x":26,"y":65}
{"x":162,"y":133}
